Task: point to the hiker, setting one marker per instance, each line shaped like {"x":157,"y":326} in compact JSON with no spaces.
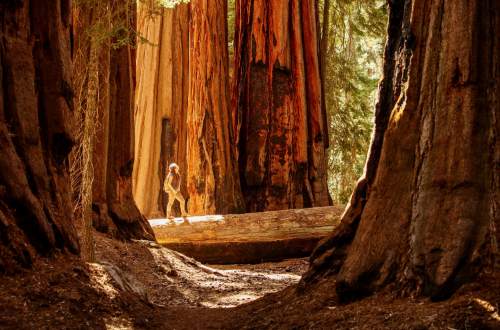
{"x":172,"y":187}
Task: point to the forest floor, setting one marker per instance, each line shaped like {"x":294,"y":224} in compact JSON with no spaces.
{"x":141,"y":285}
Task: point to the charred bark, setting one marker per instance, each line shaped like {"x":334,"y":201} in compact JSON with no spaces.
{"x":161,"y":103}
{"x":36,"y":101}
{"x":424,"y":216}
{"x":277,"y":104}
{"x":213,"y":183}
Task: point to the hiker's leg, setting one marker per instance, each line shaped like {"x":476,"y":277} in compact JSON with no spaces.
{"x":182,"y":201}
{"x":171,"y":199}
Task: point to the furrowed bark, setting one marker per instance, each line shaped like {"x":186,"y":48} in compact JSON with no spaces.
{"x":36,"y":133}
{"x":213,"y":183}
{"x":278,"y":113}
{"x":424,"y":216}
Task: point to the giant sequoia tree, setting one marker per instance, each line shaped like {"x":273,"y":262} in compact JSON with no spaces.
{"x":161,"y":102}
{"x":105,"y":79}
{"x":425,"y":214}
{"x":213,"y":183}
{"x":278,"y":114}
{"x":194,"y":134}
{"x":36,"y":133}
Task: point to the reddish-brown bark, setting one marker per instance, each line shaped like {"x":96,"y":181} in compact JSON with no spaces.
{"x":277,"y":104}
{"x":424,"y":216}
{"x":212,"y":181}
{"x":36,"y":101}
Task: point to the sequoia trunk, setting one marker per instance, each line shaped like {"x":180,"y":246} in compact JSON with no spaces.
{"x":424,"y":216}
{"x":36,"y":100}
{"x":115,"y":211}
{"x":277,"y":104}
{"x":213,"y":183}
{"x":161,"y":103}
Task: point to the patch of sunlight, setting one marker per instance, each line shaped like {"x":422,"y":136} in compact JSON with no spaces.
{"x":282,"y":277}
{"x":218,"y":288}
{"x":489,"y":307}
{"x":172,"y":3}
{"x":188,"y":220}
{"x":279,"y":277}
{"x":221,"y":285}
{"x":118,"y":323}
{"x":399,"y":108}
{"x":233,"y":300}
{"x":101,"y":280}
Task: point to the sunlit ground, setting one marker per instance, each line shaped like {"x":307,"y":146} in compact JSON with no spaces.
{"x":215,"y":288}
{"x":488,"y":307}
{"x":168,"y":278}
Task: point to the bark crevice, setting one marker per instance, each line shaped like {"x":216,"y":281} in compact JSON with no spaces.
{"x":421,"y":215}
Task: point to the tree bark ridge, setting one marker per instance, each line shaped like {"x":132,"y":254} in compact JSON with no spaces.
{"x":213,"y":182}
{"x":422,"y":214}
{"x":36,"y":132}
{"x":277,"y":105}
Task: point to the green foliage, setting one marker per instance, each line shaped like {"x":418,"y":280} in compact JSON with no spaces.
{"x":171,"y":3}
{"x":113,"y":21}
{"x":231,"y":17}
{"x":109,"y":21}
{"x":353,"y":58}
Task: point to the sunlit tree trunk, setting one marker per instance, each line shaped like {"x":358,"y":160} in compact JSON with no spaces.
{"x":425,"y":214}
{"x":36,"y":131}
{"x":161,"y":102}
{"x":277,"y":104}
{"x":213,"y":183}
{"x":325,"y":34}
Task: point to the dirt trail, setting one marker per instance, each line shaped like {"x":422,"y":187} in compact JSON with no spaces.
{"x":135,"y":285}
{"x":169,"y":278}
{"x":141,"y":285}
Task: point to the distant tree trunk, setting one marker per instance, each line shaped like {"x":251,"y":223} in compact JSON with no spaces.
{"x":425,"y":214}
{"x":213,"y":183}
{"x":115,"y":211}
{"x":36,"y":133}
{"x":161,"y":103}
{"x":277,"y":101}
{"x":325,"y":35}
{"x":324,"y":45}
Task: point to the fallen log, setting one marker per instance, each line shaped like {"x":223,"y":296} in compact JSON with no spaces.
{"x":249,"y":237}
